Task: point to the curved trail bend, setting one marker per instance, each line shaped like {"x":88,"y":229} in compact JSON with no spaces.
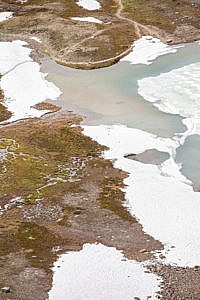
{"x":113,"y":58}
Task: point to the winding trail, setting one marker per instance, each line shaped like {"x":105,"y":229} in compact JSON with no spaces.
{"x":99,"y":62}
{"x":119,"y":16}
{"x":85,"y":40}
{"x":99,"y":32}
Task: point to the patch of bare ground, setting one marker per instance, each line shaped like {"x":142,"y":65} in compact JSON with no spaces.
{"x":178,"y":283}
{"x":4,"y":113}
{"x":26,"y":281}
{"x":46,"y":106}
{"x":172,"y":20}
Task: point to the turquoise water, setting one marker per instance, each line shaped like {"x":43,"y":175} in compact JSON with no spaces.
{"x":110,"y":96}
{"x":189,"y":157}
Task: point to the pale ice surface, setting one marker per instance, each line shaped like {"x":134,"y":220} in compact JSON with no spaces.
{"x":12,"y":54}
{"x":89,"y":4}
{"x":24,"y":87}
{"x":101,"y":273}
{"x":147,"y":49}
{"x":22,"y":82}
{"x":176,"y":92}
{"x":87,"y":19}
{"x":160,"y":197}
{"x":5,"y":15}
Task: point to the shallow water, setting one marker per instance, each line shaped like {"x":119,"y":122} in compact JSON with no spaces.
{"x":150,"y":156}
{"x":110,"y":96}
{"x":189,"y":157}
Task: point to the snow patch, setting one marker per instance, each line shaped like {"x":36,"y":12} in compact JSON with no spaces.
{"x":147,"y":49}
{"x":12,"y":54}
{"x":160,"y":197}
{"x":36,"y":39}
{"x":22,"y":1}
{"x":22,"y":82}
{"x":89,"y":4}
{"x":101,"y":273}
{"x":87,"y":19}
{"x":5,"y":15}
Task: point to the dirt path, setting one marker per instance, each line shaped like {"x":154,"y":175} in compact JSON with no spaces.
{"x":85,"y":40}
{"x":99,"y":32}
{"x":119,"y":16}
{"x":100,"y":62}
{"x":138,"y":30}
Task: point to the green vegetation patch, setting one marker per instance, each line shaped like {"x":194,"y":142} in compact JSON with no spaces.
{"x":8,"y":242}
{"x":39,"y":154}
{"x":4,"y":113}
{"x":41,"y":161}
{"x":111,"y":197}
{"x":142,"y":12}
{"x":165,"y":14}
{"x":38,"y":243}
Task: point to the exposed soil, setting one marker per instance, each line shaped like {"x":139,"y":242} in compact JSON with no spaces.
{"x":46,"y":106}
{"x":179,"y":283}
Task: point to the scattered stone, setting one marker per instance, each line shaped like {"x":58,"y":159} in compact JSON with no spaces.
{"x":59,"y":220}
{"x":77,"y":212}
{"x":6,"y":289}
{"x":29,"y":250}
{"x":143,"y":250}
